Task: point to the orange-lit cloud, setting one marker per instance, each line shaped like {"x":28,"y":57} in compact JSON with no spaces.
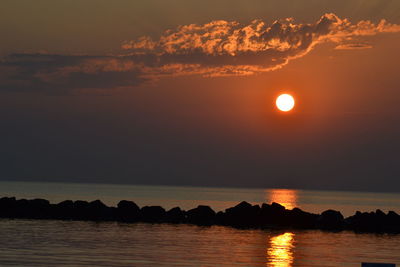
{"x":229,"y":48}
{"x":215,"y":49}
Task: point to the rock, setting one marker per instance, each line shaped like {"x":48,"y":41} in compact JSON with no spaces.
{"x":220,"y":218}
{"x":80,"y":211}
{"x":175,"y":215}
{"x":202,"y":215}
{"x":376,"y":222}
{"x":380,"y":213}
{"x":277,"y":208}
{"x":6,"y":201}
{"x":302,"y":220}
{"x":7,"y":207}
{"x":128,"y":211}
{"x":243,"y":215}
{"x":274,"y":215}
{"x":81,"y":204}
{"x":98,"y":211}
{"x":66,"y":204}
{"x":393,"y":214}
{"x":330,"y":220}
{"x":392,"y":224}
{"x":97,"y":204}
{"x":64,"y":210}
{"x":39,"y":209}
{"x":22,"y":208}
{"x":127,"y":205}
{"x":359,"y":222}
{"x":152,"y":214}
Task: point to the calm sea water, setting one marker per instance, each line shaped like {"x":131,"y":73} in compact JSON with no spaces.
{"x":68,"y":243}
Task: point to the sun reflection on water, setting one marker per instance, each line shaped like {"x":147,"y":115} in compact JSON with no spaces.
{"x":279,"y":253}
{"x":285,"y":197}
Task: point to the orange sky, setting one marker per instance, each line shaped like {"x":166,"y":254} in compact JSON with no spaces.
{"x":76,"y":106}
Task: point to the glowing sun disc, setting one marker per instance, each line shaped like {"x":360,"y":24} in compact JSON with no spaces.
{"x":285,"y":102}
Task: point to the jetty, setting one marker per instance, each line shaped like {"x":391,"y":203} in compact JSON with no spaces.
{"x":243,"y":215}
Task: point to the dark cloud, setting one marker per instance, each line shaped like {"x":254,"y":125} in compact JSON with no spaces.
{"x":65,"y":73}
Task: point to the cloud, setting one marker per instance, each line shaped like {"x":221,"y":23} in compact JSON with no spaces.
{"x":353,"y":46}
{"x":222,"y":37}
{"x":218,"y":48}
{"x":66,"y":73}
{"x":252,"y":48}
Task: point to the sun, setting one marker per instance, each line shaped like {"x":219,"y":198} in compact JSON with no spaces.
{"x":285,"y":102}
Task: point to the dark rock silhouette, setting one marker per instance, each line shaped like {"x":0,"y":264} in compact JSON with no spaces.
{"x":392,"y":222}
{"x":377,"y":222}
{"x":98,"y":211}
{"x":64,"y":209}
{"x":22,"y":208}
{"x":128,"y":211}
{"x":202,"y":215}
{"x":81,"y":210}
{"x":38,"y":208}
{"x":330,"y":220}
{"x":273,"y":215}
{"x":298,"y":218}
{"x":243,"y":215}
{"x":175,"y":215}
{"x":8,"y":207}
{"x":153,"y":214}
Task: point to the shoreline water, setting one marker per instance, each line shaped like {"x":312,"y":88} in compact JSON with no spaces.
{"x":243,"y":215}
{"x":233,"y":187}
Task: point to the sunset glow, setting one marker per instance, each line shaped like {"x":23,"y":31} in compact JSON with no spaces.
{"x":285,"y":197}
{"x":280,"y":250}
{"x":212,"y":133}
{"x":285,"y":102}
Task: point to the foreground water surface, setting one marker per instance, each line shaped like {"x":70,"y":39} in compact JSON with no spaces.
{"x":78,"y":243}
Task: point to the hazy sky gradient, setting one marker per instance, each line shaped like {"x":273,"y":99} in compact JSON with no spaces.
{"x":124,"y":127}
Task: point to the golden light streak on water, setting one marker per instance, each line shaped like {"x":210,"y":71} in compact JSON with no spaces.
{"x":279,"y":253}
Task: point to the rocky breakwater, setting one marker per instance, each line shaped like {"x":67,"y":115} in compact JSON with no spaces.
{"x":243,"y":215}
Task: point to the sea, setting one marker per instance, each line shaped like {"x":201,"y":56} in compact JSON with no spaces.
{"x":79,"y":243}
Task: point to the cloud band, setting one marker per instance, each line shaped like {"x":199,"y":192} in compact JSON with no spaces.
{"x":218,"y":48}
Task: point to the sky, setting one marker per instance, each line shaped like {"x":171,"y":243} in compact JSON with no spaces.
{"x":182,"y":92}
